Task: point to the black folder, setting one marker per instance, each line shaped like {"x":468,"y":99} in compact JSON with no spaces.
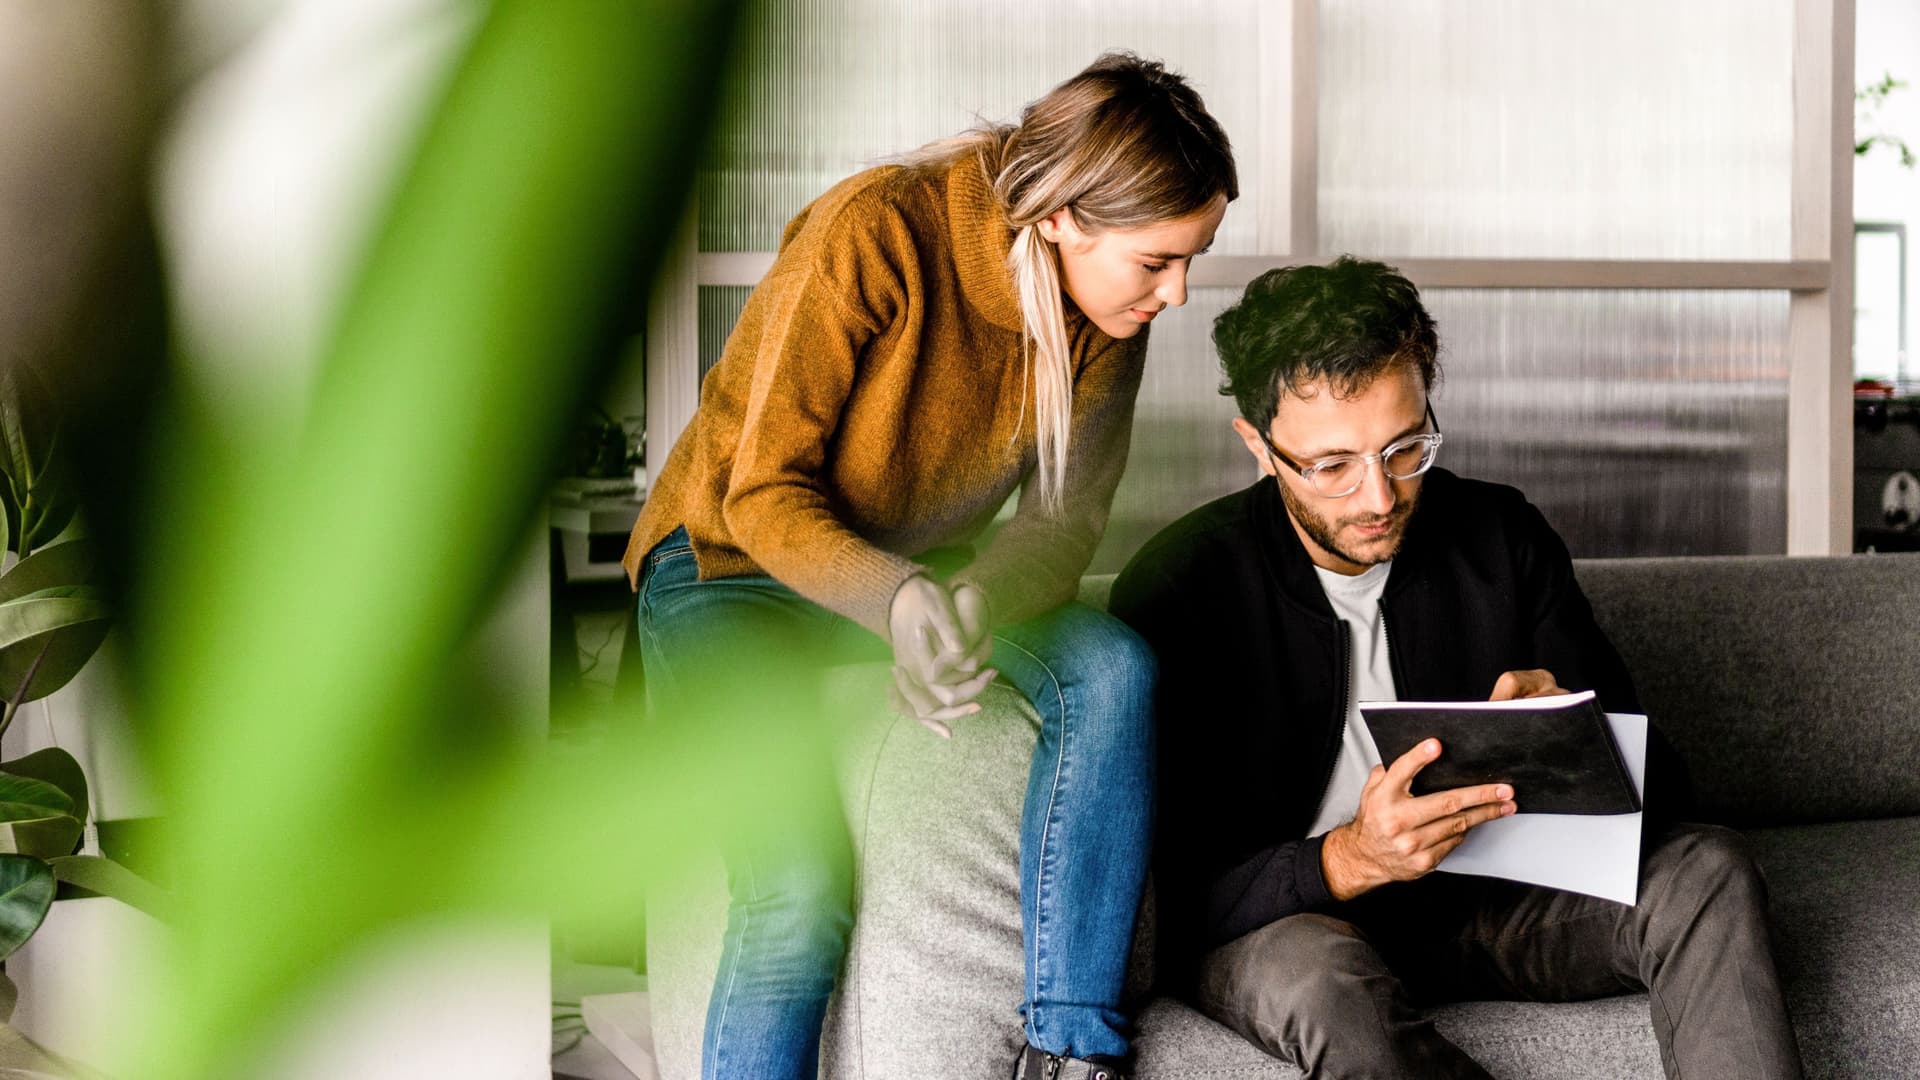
{"x":1559,"y":755}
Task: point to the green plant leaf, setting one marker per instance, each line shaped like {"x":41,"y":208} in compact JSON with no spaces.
{"x":57,"y":767}
{"x":23,"y":798}
{"x":26,"y":891}
{"x":70,"y":563}
{"x":42,"y":838}
{"x":103,"y":876}
{"x":37,"y":500}
{"x":52,"y":633}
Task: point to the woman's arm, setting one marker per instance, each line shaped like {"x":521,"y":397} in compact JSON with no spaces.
{"x":807,"y":333}
{"x":1034,"y":563}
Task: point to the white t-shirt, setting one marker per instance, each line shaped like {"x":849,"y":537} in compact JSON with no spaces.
{"x":1356,"y":601}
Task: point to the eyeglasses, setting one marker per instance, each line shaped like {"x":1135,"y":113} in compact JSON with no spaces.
{"x":1340,"y":475}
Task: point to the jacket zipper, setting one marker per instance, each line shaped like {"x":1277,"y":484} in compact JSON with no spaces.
{"x":1346,"y":695}
{"x":1385,"y":637}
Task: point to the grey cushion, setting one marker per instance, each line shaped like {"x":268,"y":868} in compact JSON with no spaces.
{"x":933,"y":979}
{"x":1789,"y":685}
{"x":1846,"y":904}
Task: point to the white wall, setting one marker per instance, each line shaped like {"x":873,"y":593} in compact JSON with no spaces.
{"x":1888,"y":40}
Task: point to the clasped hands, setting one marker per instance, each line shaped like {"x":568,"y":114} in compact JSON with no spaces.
{"x":942,"y":640}
{"x":1396,"y":835}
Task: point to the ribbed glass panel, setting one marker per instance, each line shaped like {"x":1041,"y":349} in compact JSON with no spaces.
{"x":719,"y":309}
{"x":1521,"y":128}
{"x":835,"y":86}
{"x":1641,"y":423}
{"x":1184,"y":450}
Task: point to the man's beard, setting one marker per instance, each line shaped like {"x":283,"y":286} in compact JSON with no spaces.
{"x":1321,"y":531}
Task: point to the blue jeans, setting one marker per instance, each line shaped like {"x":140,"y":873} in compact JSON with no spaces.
{"x":1084,"y":832}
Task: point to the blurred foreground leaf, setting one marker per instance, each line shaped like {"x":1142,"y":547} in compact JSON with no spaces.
{"x":333,"y":761}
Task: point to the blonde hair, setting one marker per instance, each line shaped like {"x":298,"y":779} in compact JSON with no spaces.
{"x":1124,"y":144}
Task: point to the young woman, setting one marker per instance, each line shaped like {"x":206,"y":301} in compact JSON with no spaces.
{"x":933,"y":335}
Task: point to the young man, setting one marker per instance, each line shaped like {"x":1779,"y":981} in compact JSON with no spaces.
{"x":1293,"y":875}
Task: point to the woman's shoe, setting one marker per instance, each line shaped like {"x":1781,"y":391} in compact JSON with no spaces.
{"x":1037,"y":1064}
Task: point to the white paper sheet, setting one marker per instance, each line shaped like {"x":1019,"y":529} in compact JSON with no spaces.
{"x":1595,"y":854}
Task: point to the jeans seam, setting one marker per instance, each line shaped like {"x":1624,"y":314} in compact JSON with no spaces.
{"x":733,"y":972}
{"x":1046,"y":829}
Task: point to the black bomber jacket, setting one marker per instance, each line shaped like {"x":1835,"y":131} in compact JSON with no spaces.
{"x":1254,"y":666}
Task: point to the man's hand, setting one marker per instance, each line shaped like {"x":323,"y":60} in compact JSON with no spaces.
{"x":941,"y":641}
{"x":1535,"y":682}
{"x":1396,"y":836}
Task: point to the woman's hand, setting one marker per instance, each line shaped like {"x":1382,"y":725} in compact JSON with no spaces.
{"x":941,"y":642}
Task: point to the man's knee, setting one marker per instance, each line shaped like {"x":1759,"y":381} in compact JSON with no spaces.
{"x":1701,"y":862}
{"x":1301,"y":969}
{"x":1703,"y":877}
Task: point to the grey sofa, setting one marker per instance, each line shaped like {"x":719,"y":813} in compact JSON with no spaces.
{"x":1791,"y":686}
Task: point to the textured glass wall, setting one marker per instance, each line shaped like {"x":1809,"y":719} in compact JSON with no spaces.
{"x":1641,"y":423}
{"x":719,"y":309}
{"x":1184,"y":451}
{"x":835,"y":86}
{"x":1622,"y":129}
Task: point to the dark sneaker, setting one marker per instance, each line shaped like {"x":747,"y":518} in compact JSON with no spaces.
{"x":1040,"y":1065}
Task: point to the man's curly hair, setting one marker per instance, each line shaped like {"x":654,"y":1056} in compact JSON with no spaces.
{"x":1346,"y":324}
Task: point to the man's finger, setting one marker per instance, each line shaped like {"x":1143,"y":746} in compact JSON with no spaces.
{"x":1441,"y":804}
{"x":1532,"y":682}
{"x":1452,"y":829}
{"x":1400,"y":775}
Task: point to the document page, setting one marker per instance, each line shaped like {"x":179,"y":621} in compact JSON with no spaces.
{"x":1598,"y":855}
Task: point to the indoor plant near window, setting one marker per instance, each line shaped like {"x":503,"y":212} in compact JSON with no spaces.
{"x":53,"y":619}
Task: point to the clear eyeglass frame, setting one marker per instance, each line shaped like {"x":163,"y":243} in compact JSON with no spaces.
{"x":1340,"y":475}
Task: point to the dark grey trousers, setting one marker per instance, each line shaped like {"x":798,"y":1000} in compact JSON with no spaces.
{"x":1338,"y":994}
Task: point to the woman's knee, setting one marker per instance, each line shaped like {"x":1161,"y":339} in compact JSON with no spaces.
{"x":1113,"y":666}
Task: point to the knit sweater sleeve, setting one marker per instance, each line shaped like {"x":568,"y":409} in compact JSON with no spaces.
{"x":1033,"y":564}
{"x":776,"y":507}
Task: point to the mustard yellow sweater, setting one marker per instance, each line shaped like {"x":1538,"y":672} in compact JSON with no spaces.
{"x":865,"y":411}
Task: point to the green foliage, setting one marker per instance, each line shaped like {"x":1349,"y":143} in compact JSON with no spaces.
{"x":26,"y":892}
{"x":37,"y":502}
{"x":53,"y":618}
{"x":1869,"y":100}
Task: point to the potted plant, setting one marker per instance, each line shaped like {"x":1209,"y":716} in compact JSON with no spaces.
{"x":53,"y":618}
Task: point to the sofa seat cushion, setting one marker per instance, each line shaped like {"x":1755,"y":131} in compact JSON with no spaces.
{"x":1846,"y":904}
{"x":933,"y":979}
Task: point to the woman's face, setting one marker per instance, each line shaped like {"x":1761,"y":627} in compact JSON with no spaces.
{"x":1122,"y":278}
